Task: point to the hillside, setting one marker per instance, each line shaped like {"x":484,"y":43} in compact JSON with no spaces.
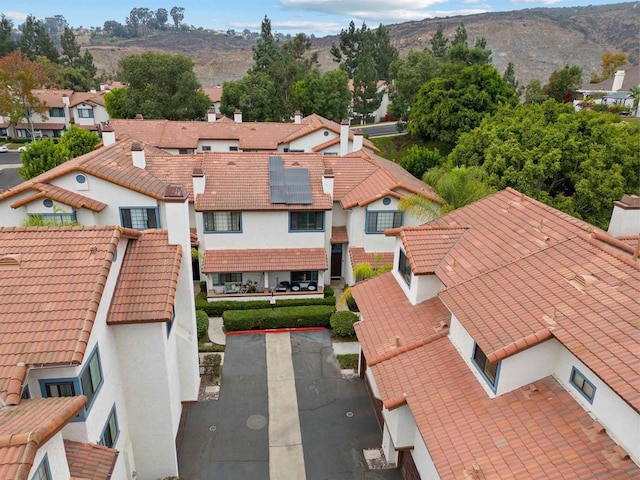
{"x":537,"y":41}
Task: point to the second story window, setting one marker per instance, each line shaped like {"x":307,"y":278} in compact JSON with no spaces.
{"x":85,"y":112}
{"x":56,"y":112}
{"x":378,"y":222}
{"x":140,"y":218}
{"x":584,"y":386}
{"x":489,"y":370}
{"x":226,"y":222}
{"x":404,"y":268}
{"x":306,"y":221}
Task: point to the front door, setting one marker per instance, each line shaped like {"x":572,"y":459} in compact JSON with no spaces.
{"x":336,"y":260}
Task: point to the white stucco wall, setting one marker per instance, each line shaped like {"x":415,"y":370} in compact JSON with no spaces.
{"x":422,"y":458}
{"x":56,"y":456}
{"x":216,"y":145}
{"x":264,"y":230}
{"x":423,"y":287}
{"x":307,"y":142}
{"x":401,"y":425}
{"x":624,"y":222}
{"x":152,"y":397}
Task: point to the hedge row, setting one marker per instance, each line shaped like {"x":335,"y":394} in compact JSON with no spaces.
{"x":285,"y":317}
{"x":202,"y":324}
{"x":217,"y":308}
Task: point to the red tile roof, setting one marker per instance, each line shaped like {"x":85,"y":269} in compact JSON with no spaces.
{"x":52,"y":98}
{"x":426,"y":247}
{"x":577,"y":290}
{"x":264,"y":260}
{"x":358,"y":255}
{"x":89,"y":461}
{"x":147,"y":282}
{"x":41,"y":126}
{"x":339,"y":235}
{"x":240,"y":182}
{"x":26,"y":427}
{"x":51,"y":283}
{"x":73,"y":199}
{"x":89,"y":98}
{"x":214,"y":93}
{"x":112,"y":163}
{"x":526,"y":433}
{"x":394,"y":323}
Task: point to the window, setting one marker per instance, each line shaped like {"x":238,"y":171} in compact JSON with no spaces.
{"x":139,"y":218}
{"x":306,"y":221}
{"x":222,"y":221}
{"x":489,"y":370}
{"x":43,"y":472}
{"x":110,"y":432}
{"x":233,"y":149}
{"x":386,"y":201}
{"x":56,"y":218}
{"x":222,"y":278}
{"x":404,"y":268}
{"x":81,"y":178}
{"x":60,"y":389}
{"x":306,"y":276}
{"x":85,"y":112}
{"x":91,"y":378}
{"x":47,"y":202}
{"x":184,"y":151}
{"x":206,"y":148}
{"x":378,"y":222}
{"x":584,"y":386}
{"x":56,"y":112}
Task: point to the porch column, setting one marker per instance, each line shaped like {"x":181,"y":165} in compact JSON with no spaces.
{"x":266,"y":281}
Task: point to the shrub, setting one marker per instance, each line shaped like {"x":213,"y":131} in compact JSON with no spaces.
{"x":342,"y":323}
{"x":218,"y":307}
{"x":202,"y":324}
{"x":213,"y":347}
{"x":210,"y":363}
{"x":351,"y":303}
{"x":203,"y":287}
{"x":348,"y":360}
{"x":285,"y":317}
{"x":328,"y":291}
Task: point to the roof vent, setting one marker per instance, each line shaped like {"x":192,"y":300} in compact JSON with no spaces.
{"x":10,"y":262}
{"x":582,"y":282}
{"x":232,"y":163}
{"x":472,"y":473}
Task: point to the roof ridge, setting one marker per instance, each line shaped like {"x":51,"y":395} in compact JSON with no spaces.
{"x":409,"y":347}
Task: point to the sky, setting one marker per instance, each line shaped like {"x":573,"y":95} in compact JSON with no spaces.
{"x":318,"y":17}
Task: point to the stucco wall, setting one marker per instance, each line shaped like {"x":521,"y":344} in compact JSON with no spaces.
{"x":56,"y":456}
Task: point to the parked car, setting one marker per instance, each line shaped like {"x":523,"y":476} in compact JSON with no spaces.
{"x":4,"y":149}
{"x":22,"y":148}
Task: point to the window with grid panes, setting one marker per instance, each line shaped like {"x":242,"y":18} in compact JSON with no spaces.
{"x":140,"y":218}
{"x":222,"y":221}
{"x":378,"y":222}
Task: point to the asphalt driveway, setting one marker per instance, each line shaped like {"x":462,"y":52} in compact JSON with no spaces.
{"x":230,"y":439}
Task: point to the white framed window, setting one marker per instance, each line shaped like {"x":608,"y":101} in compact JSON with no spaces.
{"x":139,"y":218}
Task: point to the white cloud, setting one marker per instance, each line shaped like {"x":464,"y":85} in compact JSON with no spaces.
{"x":294,"y":25}
{"x":19,"y":16}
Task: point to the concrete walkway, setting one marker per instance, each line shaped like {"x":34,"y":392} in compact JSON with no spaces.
{"x":286,"y":458}
{"x":216,"y":332}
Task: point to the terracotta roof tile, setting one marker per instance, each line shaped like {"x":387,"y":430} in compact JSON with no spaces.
{"x":148,"y":280}
{"x":339,"y":235}
{"x":394,"y":322}
{"x":41,"y":126}
{"x":73,"y":199}
{"x":560,"y":290}
{"x":93,"y":462}
{"x":51,"y":290}
{"x":358,"y":255}
{"x":426,"y":247}
{"x":264,"y":260}
{"x":91,"y":98}
{"x":214,"y":93}
{"x":112,"y":163}
{"x":240,"y":182}
{"x":51,"y":97}
{"x":527,"y":433}
{"x":29,"y":425}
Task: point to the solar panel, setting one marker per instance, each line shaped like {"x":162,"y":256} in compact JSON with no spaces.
{"x":288,"y":186}
{"x":277,"y":180}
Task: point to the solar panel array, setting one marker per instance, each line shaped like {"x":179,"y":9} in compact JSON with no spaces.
{"x":291,"y":186}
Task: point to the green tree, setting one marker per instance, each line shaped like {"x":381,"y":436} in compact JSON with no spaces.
{"x":266,"y":51}
{"x":326,"y":94}
{"x":177,"y":14}
{"x":366,"y":97}
{"x":253,"y":95}
{"x":70,"y":48}
{"x":7,"y":45}
{"x":562,"y":84}
{"x":18,"y":78}
{"x":533,"y":92}
{"x":362,"y":271}
{"x":509,"y":76}
{"x":40,"y":157}
{"x":161,"y":17}
{"x":160,"y":86}
{"x":35,"y":41}
{"x":78,"y":141}
{"x":439,"y":44}
{"x":458,"y":186}
{"x":460,"y":52}
{"x":417,"y":160}
{"x":578,"y":162}
{"x":450,"y":105}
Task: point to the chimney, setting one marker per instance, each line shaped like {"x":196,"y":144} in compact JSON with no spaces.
{"x":617,"y":81}
{"x":625,"y":219}
{"x":137,"y":155}
{"x":198,"y":178}
{"x":211,"y":116}
{"x":297,"y":117}
{"x":108,"y":135}
{"x":139,"y":116}
{"x":65,"y":98}
{"x":237,"y":116}
{"x":327,"y":182}
{"x":358,"y":139}
{"x":344,"y":138}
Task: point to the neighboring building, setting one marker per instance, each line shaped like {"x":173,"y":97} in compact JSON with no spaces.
{"x":215,"y":95}
{"x":97,"y":352}
{"x":311,"y":134}
{"x":505,"y":344}
{"x":380,"y":114}
{"x":64,"y":108}
{"x":266,"y":239}
{"x":616,"y":90}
